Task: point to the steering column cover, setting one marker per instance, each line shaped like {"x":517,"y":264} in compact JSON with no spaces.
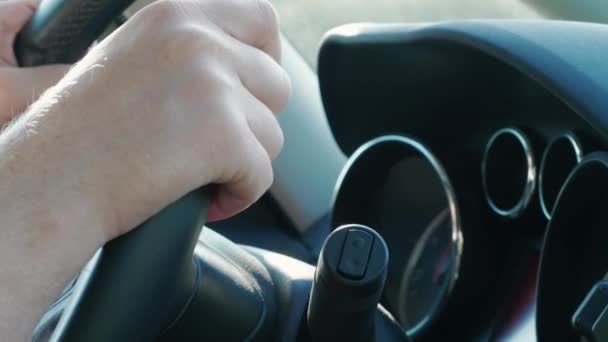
{"x":234,"y":300}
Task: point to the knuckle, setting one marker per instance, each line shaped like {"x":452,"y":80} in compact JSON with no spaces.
{"x":216,"y":85}
{"x":232,"y":127}
{"x":278,"y":141}
{"x":206,"y":83}
{"x":266,"y":178}
{"x":258,"y":173}
{"x":235,"y":129}
{"x":284,"y":91}
{"x":281,"y":92}
{"x":160,"y":12}
{"x":278,"y":88}
{"x":188,"y":43}
{"x":268,"y":17}
{"x":197,"y":35}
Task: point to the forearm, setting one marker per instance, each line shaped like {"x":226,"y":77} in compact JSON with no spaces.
{"x":44,"y":237}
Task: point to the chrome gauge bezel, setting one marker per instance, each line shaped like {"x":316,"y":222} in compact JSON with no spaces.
{"x":577,"y":149}
{"x":531,"y":173}
{"x":414,"y":148}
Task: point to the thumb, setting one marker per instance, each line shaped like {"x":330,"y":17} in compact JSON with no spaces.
{"x":20,"y":87}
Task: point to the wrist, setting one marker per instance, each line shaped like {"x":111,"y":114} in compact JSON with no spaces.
{"x":37,"y":189}
{"x":44,"y":242}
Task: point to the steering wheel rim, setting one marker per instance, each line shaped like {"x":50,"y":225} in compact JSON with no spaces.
{"x":141,"y":282}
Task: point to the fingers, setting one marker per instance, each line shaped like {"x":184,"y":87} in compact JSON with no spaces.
{"x":262,"y":143}
{"x":264,"y":78}
{"x":246,"y":187}
{"x":265,"y":126}
{"x":253,"y":35}
{"x":21,"y":87}
{"x":241,"y":38}
{"x":253,"y":22}
{"x":267,"y":90}
{"x":257,"y":57}
{"x":13,"y":16}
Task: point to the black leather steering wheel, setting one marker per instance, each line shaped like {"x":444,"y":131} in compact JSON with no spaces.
{"x":141,"y":282}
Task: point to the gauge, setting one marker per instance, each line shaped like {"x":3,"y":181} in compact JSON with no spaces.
{"x":427,"y":273}
{"x":396,"y":186}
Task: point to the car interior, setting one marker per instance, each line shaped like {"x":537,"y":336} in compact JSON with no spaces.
{"x":441,"y":180}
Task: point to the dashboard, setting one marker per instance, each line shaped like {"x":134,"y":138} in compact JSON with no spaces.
{"x":476,"y":151}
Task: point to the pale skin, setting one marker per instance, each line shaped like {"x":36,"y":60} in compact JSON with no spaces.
{"x":183,"y":95}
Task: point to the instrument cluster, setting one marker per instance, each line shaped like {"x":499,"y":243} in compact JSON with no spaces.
{"x":398,"y":186}
{"x":476,"y":152}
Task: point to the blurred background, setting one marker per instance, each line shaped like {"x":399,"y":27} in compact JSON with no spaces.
{"x":305,"y":21}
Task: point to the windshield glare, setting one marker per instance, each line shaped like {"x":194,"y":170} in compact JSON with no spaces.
{"x":305,"y":21}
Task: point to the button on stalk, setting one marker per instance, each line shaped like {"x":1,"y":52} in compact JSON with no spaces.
{"x":348,"y":284}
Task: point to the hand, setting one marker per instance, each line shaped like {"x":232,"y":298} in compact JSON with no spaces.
{"x":183,"y":95}
{"x":20,"y":87}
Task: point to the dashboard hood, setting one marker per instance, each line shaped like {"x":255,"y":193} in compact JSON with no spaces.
{"x":458,"y":73}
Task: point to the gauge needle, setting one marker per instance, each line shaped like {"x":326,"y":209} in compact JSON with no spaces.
{"x":442,"y":266}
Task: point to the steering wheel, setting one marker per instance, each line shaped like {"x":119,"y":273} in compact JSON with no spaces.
{"x":143,"y":281}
